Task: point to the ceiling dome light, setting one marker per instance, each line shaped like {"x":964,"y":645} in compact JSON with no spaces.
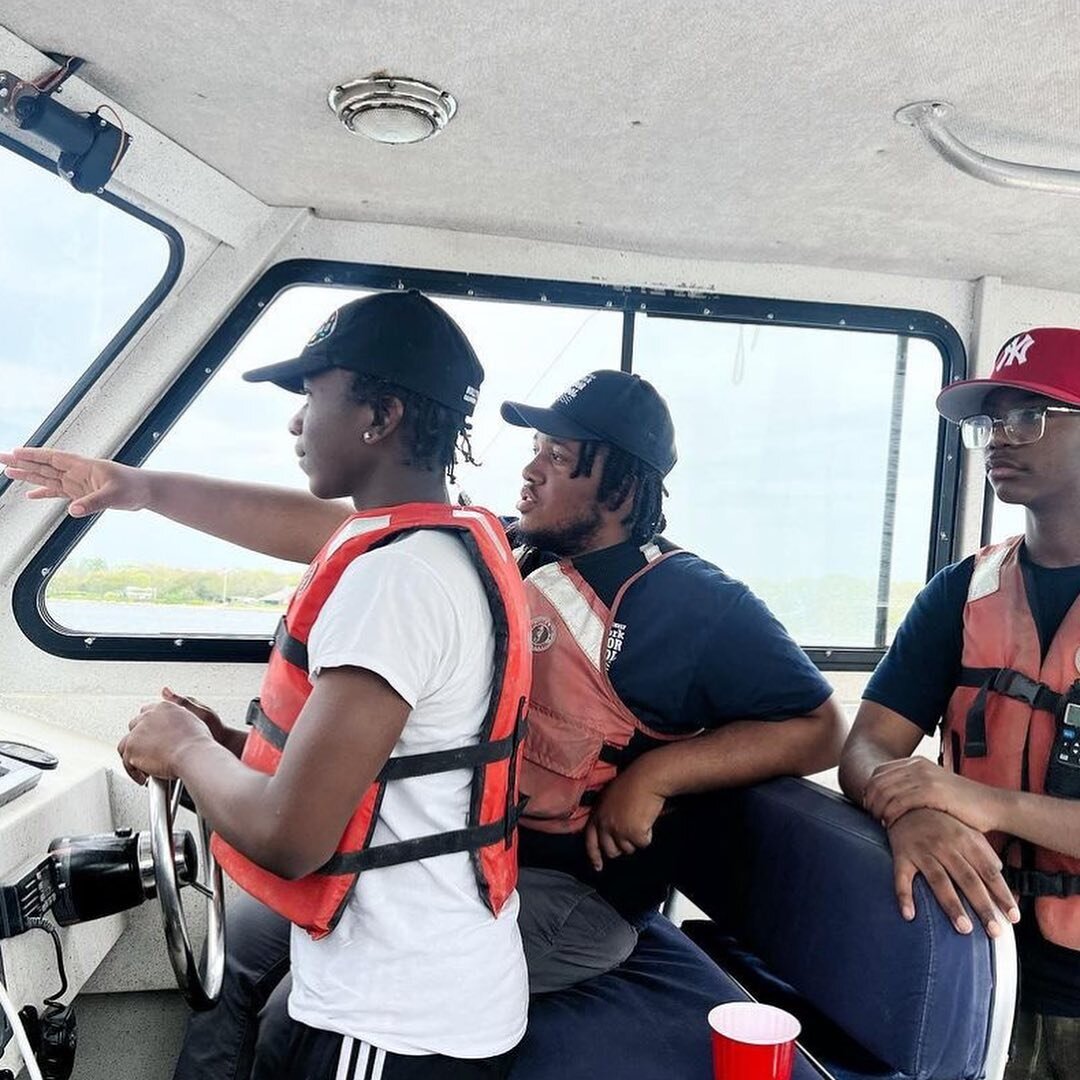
{"x":392,"y":110}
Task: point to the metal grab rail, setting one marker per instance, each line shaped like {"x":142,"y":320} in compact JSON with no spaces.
{"x":928,"y":117}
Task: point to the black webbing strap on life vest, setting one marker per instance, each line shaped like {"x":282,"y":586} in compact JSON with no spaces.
{"x":1041,"y":882}
{"x":404,"y":768}
{"x":1009,"y":683}
{"x":292,"y":649}
{"x":621,"y":757}
{"x":515,"y":807}
{"x":615,"y":755}
{"x":266,"y":727}
{"x":422,"y":847}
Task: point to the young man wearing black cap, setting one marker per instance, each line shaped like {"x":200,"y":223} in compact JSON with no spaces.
{"x":406,"y":643}
{"x":990,"y":650}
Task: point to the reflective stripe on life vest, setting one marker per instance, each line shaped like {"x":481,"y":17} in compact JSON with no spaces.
{"x":580,"y":732}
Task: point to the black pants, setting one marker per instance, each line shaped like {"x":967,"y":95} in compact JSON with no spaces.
{"x":312,"y":1054}
{"x":220,"y":1044}
{"x":570,"y":934}
{"x":1044,"y":1047}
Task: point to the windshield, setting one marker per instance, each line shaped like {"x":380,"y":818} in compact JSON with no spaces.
{"x":76,"y":269}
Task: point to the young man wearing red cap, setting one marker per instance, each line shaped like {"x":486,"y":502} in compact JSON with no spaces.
{"x":991,"y":651}
{"x":374,"y":804}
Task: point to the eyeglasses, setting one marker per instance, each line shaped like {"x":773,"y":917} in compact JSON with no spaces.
{"x":1020,"y":426}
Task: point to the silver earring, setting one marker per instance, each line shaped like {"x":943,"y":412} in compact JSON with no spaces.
{"x":368,"y":436}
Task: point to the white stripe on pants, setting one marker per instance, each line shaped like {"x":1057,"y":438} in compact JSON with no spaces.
{"x":359,"y":1060}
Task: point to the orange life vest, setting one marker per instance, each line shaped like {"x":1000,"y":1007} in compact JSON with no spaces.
{"x":1006,"y":724}
{"x":316,"y":902}
{"x":580,"y":732}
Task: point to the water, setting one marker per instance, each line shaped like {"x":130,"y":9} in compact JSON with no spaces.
{"x":170,"y":620}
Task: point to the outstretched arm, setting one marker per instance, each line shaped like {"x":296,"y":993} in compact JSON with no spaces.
{"x":282,"y":522}
{"x":740,"y":753}
{"x":948,"y":852}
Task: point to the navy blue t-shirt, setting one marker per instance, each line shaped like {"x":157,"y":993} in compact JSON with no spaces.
{"x":692,"y":648}
{"x":917,"y":677}
{"x":696,"y":648}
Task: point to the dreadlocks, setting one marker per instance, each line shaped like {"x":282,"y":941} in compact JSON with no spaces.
{"x":435,"y":437}
{"x":621,"y":473}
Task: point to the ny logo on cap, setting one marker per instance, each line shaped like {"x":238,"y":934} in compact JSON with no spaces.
{"x":1014,"y":352}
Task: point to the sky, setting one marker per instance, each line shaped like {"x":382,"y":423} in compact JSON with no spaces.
{"x":782,"y":432}
{"x":75,"y":268}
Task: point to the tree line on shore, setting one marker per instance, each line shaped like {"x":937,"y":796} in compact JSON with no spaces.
{"x":96,"y":579}
{"x":832,"y":610}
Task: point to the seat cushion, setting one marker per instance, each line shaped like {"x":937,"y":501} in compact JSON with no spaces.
{"x":646,"y":1020}
{"x":803,"y":880}
{"x":842,"y":1056}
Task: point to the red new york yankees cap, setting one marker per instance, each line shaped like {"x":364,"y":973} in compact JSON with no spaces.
{"x":1045,"y":360}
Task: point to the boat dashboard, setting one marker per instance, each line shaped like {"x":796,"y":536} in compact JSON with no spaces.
{"x":82,"y":845}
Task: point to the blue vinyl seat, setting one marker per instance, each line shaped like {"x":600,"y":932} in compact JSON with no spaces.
{"x":798,"y":885}
{"x":644,"y":1021}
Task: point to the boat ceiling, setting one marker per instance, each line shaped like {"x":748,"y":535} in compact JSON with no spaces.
{"x":750,"y":132}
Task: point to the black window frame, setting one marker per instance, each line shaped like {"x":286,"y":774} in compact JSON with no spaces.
{"x":28,"y":596}
{"x":135,"y":320}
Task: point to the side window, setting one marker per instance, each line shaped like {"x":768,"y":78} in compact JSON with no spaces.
{"x":80,"y":274}
{"x":195,"y":586}
{"x":812,"y":463}
{"x":806,"y":463}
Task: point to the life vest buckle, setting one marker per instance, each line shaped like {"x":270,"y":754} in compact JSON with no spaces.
{"x":1039,"y":883}
{"x":1017,"y":685}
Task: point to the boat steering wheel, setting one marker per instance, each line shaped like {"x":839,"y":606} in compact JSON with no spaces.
{"x":199,"y":982}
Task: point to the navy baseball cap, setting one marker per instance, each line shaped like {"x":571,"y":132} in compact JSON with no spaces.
{"x":401,"y":337}
{"x":610,"y":407}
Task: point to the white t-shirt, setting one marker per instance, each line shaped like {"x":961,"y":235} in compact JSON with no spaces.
{"x":417,"y":964}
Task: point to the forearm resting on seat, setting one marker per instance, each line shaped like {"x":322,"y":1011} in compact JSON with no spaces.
{"x":748,"y":751}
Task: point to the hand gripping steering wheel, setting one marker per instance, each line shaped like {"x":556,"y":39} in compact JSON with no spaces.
{"x":200,"y":983}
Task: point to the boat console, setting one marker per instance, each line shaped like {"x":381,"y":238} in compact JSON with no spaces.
{"x":78,"y":889}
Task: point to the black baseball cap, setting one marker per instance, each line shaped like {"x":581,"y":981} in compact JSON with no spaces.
{"x":610,"y":407}
{"x":401,"y":337}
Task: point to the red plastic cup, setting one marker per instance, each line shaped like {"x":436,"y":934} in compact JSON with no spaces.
{"x":752,"y":1041}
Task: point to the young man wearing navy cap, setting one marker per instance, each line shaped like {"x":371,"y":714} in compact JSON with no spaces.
{"x":991,"y":650}
{"x":389,"y":713}
{"x":655,"y":674}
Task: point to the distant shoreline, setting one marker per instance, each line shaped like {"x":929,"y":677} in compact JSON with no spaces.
{"x":217,"y":605}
